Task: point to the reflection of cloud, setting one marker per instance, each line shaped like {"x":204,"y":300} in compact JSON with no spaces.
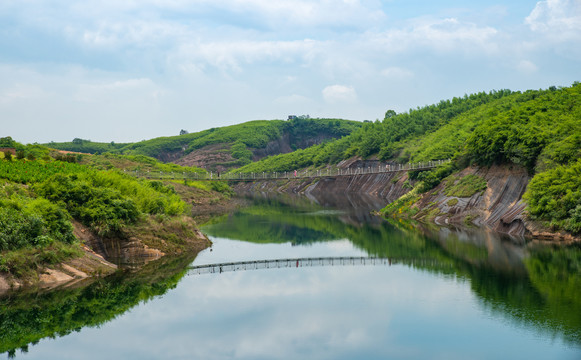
{"x":330,"y":313}
{"x":339,"y":94}
{"x":557,"y":19}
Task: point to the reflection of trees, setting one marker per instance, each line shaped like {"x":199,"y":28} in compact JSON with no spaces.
{"x":556,"y":274}
{"x":26,"y":318}
{"x":544,"y":292}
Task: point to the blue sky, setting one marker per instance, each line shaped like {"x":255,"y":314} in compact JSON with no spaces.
{"x":130,"y":70}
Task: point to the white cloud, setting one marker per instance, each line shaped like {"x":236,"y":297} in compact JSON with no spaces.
{"x":20,"y":92}
{"x":307,"y":13}
{"x":228,"y":61}
{"x":527,"y":67}
{"x":234,"y":56}
{"x":557,"y":19}
{"x":339,"y":94}
{"x":397,"y":73}
{"x":440,"y":35}
{"x":97,"y":91}
{"x":293,"y":99}
{"x":141,"y":34}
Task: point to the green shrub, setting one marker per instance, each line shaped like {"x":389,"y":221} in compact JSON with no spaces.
{"x":107,"y":200}
{"x":25,"y":221}
{"x":555,"y":196}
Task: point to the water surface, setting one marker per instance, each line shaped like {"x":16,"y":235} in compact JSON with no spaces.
{"x":444,"y":295}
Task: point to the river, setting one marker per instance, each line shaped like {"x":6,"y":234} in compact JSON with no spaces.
{"x":429,"y":293}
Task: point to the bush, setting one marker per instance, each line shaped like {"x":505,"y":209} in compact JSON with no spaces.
{"x":25,"y":221}
{"x":107,"y":200}
{"x":555,"y":196}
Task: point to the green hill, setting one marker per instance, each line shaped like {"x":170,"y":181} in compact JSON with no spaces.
{"x":226,"y":147}
{"x":539,"y":130}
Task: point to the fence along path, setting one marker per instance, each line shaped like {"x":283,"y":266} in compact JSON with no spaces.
{"x":285,"y":175}
{"x":308,"y":262}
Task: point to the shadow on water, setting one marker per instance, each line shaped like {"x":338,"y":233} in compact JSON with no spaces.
{"x":532,"y":286}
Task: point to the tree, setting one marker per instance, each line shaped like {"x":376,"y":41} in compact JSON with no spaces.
{"x":183,"y":132}
{"x":7,"y":142}
{"x":389,"y":114}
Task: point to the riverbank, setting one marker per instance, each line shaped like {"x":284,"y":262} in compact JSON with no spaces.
{"x":498,"y":207}
{"x":152,"y":237}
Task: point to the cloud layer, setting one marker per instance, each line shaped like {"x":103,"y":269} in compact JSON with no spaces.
{"x":150,"y":68}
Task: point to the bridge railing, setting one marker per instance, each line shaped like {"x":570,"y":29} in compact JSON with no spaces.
{"x":297,"y":174}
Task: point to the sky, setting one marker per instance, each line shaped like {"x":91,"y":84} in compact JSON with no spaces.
{"x":131,"y":70}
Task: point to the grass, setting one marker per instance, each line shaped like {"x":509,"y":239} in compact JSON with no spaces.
{"x":404,"y":205}
{"x":452,"y":202}
{"x":465,"y":186}
{"x":26,"y":263}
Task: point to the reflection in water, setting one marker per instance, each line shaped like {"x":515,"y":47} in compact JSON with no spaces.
{"x":303,"y":262}
{"x":27,"y":317}
{"x":533,"y":286}
{"x":334,"y":312}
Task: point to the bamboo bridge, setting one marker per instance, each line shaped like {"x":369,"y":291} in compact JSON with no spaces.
{"x":288,"y":175}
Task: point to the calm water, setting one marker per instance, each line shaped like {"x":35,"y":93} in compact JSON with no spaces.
{"x":443,"y":295}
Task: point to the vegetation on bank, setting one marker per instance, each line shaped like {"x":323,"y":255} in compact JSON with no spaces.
{"x":554,"y":197}
{"x":538,"y":130}
{"x":40,"y":198}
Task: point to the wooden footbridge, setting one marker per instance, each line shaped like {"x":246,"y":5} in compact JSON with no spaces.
{"x":309,"y":262}
{"x":288,"y":175}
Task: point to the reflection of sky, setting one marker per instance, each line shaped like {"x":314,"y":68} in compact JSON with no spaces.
{"x":224,"y":250}
{"x":347,"y":312}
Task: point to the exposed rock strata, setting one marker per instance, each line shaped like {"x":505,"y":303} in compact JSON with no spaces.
{"x":500,"y":207}
{"x":387,"y":186}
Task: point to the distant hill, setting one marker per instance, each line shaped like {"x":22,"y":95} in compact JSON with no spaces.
{"x":226,"y":147}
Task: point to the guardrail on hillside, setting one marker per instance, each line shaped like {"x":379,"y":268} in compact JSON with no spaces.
{"x":287,"y":175}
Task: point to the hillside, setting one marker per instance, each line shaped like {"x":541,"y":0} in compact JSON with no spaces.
{"x":536,"y":131}
{"x":222,"y":148}
{"x":62,"y":215}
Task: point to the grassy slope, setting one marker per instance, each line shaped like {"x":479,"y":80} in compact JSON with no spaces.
{"x":253,"y":134}
{"x":39,"y":198}
{"x":384,"y":139}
